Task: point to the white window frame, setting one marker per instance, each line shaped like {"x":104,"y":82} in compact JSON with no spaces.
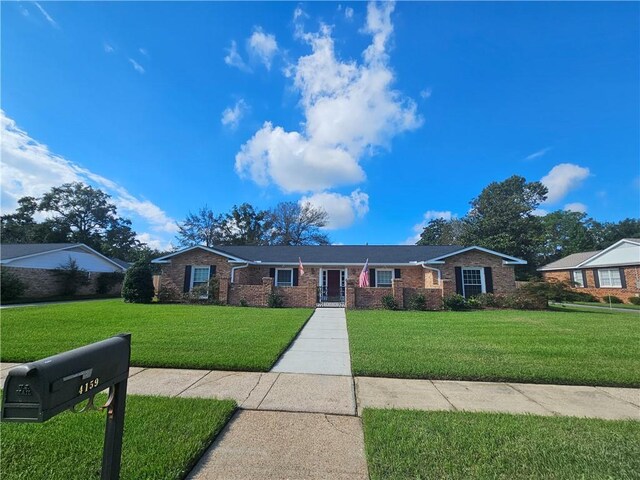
{"x":193,"y":275}
{"x":483,"y":283}
{"x":579,"y":281}
{"x":378,"y":270}
{"x":283,"y":284}
{"x":610,"y":279}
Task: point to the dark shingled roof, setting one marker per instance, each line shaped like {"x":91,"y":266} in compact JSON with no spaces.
{"x":388,"y":254}
{"x":15,"y":250}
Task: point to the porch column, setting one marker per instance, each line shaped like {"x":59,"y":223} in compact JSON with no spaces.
{"x":398,"y":291}
{"x":350,"y":293}
{"x":267,"y":289}
{"x":223,"y":294}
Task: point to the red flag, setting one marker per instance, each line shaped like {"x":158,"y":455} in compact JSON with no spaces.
{"x":363,"y":281}
{"x":300,"y":267}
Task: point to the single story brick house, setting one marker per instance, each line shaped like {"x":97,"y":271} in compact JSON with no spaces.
{"x":612,"y":271}
{"x":34,"y":265}
{"x":249,"y":274}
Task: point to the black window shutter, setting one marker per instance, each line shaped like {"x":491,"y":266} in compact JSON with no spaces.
{"x":295,"y":277}
{"x":372,"y":277}
{"x":623,"y":281}
{"x":397,"y":273}
{"x":488,"y":279}
{"x":459,"y":280}
{"x":595,"y":278}
{"x":272,"y":272}
{"x":187,"y":279}
{"x":212,"y":271}
{"x":584,"y":278}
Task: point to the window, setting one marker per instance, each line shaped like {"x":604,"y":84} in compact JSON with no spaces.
{"x":610,"y":278}
{"x":578,"y":280}
{"x":284,"y":277}
{"x":472,"y":282}
{"x":199,"y":276}
{"x":384,"y":278}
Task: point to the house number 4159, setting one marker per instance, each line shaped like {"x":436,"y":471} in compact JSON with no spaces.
{"x":85,"y":387}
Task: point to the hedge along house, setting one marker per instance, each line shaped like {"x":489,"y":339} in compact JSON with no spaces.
{"x":248,"y":275}
{"x":613,"y":271}
{"x":35,"y":263}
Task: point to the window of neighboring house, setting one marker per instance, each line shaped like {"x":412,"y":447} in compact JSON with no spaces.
{"x":284,"y":277}
{"x":610,"y":278}
{"x":384,"y":278}
{"x":578,"y":280}
{"x":472,"y":282}
{"x":199,"y":276}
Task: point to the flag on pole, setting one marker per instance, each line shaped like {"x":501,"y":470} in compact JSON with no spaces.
{"x":363,"y":281}
{"x":300,"y":267}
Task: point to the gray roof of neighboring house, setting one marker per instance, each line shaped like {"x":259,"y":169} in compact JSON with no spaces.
{"x":16,"y":250}
{"x":387,"y":254}
{"x":120,"y":262}
{"x":570,"y":261}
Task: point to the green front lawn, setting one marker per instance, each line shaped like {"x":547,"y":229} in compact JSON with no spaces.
{"x":626,"y":306}
{"x":462,"y":445}
{"x":582,"y":348}
{"x":163,"y":438}
{"x":182,"y":336}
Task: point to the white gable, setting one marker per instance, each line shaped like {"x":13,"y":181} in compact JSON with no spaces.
{"x":623,"y":253}
{"x":51,"y":260}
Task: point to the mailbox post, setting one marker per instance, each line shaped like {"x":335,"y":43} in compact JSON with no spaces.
{"x":38,"y":391}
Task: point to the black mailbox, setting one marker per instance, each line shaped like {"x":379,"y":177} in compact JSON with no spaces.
{"x":37,"y":391}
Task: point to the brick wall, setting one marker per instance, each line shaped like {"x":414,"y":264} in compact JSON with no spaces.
{"x":371,"y":297}
{"x":504,"y":278}
{"x":433,"y":297}
{"x":173,"y":273}
{"x":631,"y":275}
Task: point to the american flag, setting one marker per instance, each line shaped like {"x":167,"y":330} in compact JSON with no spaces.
{"x":363,"y":281}
{"x":300,"y":267}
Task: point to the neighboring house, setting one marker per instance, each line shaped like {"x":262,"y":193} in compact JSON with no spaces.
{"x":34,"y":264}
{"x":612,"y":271}
{"x":249,"y":274}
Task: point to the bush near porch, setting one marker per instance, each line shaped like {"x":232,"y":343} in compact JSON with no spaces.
{"x":566,"y":347}
{"x":180,"y":336}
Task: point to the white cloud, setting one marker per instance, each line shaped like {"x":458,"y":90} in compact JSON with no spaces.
{"x":350,"y":109}
{"x":136,"y":66}
{"x":23,"y":11}
{"x":426,"y":93}
{"x":231,"y":116}
{"x":29,"y":168}
{"x":348,"y":13}
{"x":426,"y":218}
{"x":576,"y":207}
{"x":537,"y":154}
{"x":540,"y":212}
{"x":234,"y":59}
{"x":143,"y":51}
{"x":262,"y":46}
{"x":298,"y":12}
{"x":46,"y":15}
{"x":108,"y":48}
{"x":563,"y":178}
{"x":342,"y":209}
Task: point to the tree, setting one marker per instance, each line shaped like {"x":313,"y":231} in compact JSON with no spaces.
{"x":502,"y":219}
{"x":72,"y":277}
{"x":244,"y":226}
{"x":138,"y":284}
{"x":120,"y":241}
{"x":293,"y":224}
{"x":442,"y":232}
{"x":608,"y":233}
{"x":565,"y":233}
{"x":19,"y":227}
{"x":202,"y":228}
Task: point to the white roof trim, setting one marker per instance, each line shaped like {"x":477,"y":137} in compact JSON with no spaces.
{"x":602,"y":252}
{"x":208,"y":249}
{"x":69,"y":247}
{"x":511,"y":260}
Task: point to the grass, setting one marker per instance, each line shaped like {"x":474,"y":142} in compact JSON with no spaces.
{"x":626,"y":306}
{"x":566,"y":347}
{"x":462,"y":445}
{"x":163,"y":438}
{"x":182,"y":336}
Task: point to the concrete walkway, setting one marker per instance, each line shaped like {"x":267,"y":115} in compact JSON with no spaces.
{"x":603,"y":307}
{"x":321,"y":348}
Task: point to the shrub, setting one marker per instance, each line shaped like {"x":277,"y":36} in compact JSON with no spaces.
{"x":581,"y":297}
{"x":389,"y":303}
{"x":138,"y":284}
{"x":455,"y":302}
{"x":169,"y":294}
{"x":71,"y":277}
{"x":490,"y":300}
{"x":207,"y":293}
{"x":11,"y":287}
{"x":525,"y":300}
{"x":243,"y":303}
{"x":635,"y":300}
{"x":107,"y":280}
{"x":418,"y":302}
{"x":275,"y":301}
{"x":611,"y":299}
{"x":473,"y":303}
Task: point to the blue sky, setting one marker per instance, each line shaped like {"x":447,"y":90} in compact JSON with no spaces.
{"x":385,"y":115}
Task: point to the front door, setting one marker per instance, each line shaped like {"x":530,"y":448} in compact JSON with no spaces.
{"x":333,"y":285}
